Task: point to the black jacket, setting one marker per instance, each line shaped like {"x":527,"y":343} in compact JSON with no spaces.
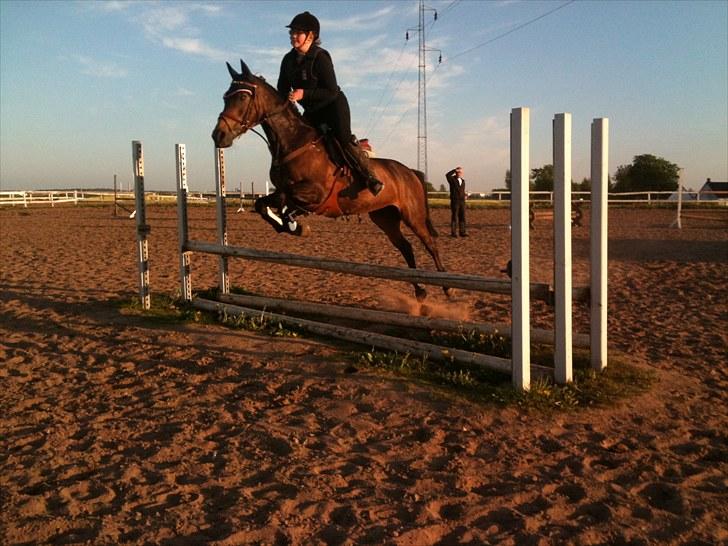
{"x":457,"y":190}
{"x":312,"y":72}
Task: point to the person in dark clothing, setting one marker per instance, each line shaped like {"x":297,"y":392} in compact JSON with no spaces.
{"x":457,"y":201}
{"x":307,"y":76}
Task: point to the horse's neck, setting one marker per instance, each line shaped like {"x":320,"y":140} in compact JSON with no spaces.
{"x":287,"y":131}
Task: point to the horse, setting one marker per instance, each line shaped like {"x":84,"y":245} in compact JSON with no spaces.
{"x":307,"y":180}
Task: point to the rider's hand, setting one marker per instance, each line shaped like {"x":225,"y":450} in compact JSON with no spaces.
{"x":295,"y":95}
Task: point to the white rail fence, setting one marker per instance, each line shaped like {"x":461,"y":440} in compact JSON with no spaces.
{"x":26,"y":198}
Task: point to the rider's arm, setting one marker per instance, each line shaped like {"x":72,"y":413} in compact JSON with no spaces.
{"x":284,"y":80}
{"x":327,"y":89}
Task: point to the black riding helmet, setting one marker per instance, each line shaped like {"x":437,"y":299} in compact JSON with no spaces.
{"x":305,"y":22}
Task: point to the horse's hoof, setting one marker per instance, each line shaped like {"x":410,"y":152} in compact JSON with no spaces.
{"x":448,"y":291}
{"x":420,"y":294}
{"x":302,"y":230}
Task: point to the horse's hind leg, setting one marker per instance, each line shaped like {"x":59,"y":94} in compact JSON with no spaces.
{"x":420,"y":229}
{"x":389,"y":221}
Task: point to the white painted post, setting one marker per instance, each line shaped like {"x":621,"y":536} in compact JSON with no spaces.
{"x":562,"y":248}
{"x":182,"y":225}
{"x":598,"y":241}
{"x":678,"y":219}
{"x":141,"y":223}
{"x":221,"y":217}
{"x":520,"y":304}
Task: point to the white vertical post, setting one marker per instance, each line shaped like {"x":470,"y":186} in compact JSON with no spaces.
{"x":678,"y":219}
{"x":182,"y":225}
{"x":562,"y":248}
{"x":141,"y":223}
{"x":598,"y":241}
{"x":221,"y":217}
{"x":520,"y":286}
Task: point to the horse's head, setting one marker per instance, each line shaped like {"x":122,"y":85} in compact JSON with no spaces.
{"x":241,"y":110}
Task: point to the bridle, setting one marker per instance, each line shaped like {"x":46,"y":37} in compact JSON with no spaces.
{"x":243,"y":122}
{"x":242,"y":87}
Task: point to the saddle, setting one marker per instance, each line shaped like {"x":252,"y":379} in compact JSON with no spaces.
{"x":340,"y":156}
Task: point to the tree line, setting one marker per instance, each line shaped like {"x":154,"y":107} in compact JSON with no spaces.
{"x":646,"y":173}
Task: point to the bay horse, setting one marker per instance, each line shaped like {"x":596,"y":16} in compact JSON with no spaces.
{"x":306,"y":179}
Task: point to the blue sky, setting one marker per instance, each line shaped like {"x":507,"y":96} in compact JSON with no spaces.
{"x":80,"y":80}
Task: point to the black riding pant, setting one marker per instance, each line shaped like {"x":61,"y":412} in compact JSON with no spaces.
{"x":337,"y":116}
{"x":457,"y":216}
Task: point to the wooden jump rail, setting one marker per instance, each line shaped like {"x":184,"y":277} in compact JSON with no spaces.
{"x":388,"y":318}
{"x":540,"y":291}
{"x":520,"y":288}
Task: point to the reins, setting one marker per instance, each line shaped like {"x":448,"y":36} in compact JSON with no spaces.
{"x":245,"y":87}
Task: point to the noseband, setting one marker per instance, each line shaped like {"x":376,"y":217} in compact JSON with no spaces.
{"x":240,"y":87}
{"x":243,"y":122}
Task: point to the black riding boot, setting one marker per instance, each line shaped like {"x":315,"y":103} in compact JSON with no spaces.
{"x":360,"y":162}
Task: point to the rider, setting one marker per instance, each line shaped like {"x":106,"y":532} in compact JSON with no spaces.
{"x":307,"y":77}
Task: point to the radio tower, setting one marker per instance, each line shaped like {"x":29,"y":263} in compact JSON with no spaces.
{"x":422,"y":90}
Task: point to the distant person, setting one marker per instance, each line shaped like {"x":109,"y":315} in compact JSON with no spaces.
{"x":457,"y":201}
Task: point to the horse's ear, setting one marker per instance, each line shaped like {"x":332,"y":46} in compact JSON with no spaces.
{"x":234,"y":75}
{"x":244,"y":70}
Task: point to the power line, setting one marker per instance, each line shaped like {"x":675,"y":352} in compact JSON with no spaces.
{"x":373,"y":116}
{"x":511,"y":31}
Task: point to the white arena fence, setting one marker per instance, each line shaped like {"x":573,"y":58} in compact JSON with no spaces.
{"x":26,"y":198}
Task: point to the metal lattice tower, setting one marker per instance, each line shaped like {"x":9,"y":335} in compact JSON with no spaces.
{"x":422,"y":97}
{"x":422,"y":90}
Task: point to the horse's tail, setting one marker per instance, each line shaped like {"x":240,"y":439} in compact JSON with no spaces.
{"x":428,"y":221}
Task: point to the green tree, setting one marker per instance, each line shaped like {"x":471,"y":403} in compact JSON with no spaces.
{"x":542,"y":179}
{"x":584,"y":185}
{"x":442,"y":188}
{"x":647,"y":173}
{"x":508,"y":179}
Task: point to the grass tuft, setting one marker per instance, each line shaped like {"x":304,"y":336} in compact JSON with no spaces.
{"x":620,"y":380}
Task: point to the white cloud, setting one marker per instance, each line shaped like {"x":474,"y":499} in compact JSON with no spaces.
{"x":184,"y":92}
{"x":194,"y":46}
{"x":111,"y":5}
{"x":102,"y":69}
{"x":170,"y":26}
{"x":358,"y":22}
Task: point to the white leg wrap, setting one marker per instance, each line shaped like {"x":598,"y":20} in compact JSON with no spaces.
{"x":272,"y":215}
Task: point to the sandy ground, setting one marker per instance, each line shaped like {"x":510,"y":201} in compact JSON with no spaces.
{"x":115,"y":431}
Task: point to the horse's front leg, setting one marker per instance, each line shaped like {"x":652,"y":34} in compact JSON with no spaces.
{"x":266,"y":207}
{"x":273,"y":209}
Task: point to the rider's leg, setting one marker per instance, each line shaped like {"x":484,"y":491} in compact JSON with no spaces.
{"x":341,"y":127}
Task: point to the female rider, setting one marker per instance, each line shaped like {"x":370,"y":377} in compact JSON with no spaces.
{"x":307,"y":77}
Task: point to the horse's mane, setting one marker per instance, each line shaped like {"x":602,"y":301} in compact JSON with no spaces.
{"x":273,"y":91}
